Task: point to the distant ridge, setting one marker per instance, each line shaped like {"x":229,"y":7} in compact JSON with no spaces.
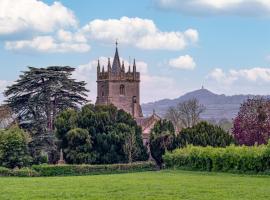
{"x":217,"y":106}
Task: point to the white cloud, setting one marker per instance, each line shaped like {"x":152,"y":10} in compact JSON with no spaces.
{"x":256,"y":74}
{"x":217,"y":7}
{"x":138,"y":32}
{"x":48,"y":44}
{"x":183,"y":62}
{"x":24,"y":15}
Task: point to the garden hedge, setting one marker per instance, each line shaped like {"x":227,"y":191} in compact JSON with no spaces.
{"x":240,"y":159}
{"x":73,"y":170}
{"x":23,"y":172}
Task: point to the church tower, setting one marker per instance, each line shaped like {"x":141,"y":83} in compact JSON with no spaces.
{"x":118,"y":87}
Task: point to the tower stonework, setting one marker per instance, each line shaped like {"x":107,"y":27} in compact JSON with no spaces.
{"x":118,"y":87}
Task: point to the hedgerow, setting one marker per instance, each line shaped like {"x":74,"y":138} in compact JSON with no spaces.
{"x":73,"y":170}
{"x":23,"y":172}
{"x":253,"y":159}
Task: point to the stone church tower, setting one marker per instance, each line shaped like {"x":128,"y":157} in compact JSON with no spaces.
{"x":118,"y":87}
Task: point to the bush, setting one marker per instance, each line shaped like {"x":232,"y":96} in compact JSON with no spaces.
{"x":13,"y":148}
{"x":74,"y":170}
{"x":79,"y":147}
{"x":204,"y":134}
{"x":230,"y":159}
{"x":5,"y":171}
{"x":23,"y":172}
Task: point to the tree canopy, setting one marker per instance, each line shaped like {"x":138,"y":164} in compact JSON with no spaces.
{"x":252,"y":124}
{"x":14,"y":148}
{"x":204,"y":134}
{"x":110,"y":130}
{"x":162,"y":138}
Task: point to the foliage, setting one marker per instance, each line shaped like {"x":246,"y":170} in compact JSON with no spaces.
{"x":252,"y":124}
{"x":130,"y":146}
{"x":185,"y":114}
{"x":109,"y":130}
{"x":204,"y":134}
{"x":230,"y":159}
{"x":162,"y":138}
{"x":23,"y":172}
{"x":74,"y":170}
{"x":38,"y":96}
{"x":79,"y":146}
{"x":13,"y":148}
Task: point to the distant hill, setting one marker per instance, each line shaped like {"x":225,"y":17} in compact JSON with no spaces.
{"x":217,"y":106}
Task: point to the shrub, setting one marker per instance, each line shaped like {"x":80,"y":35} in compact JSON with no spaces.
{"x":230,"y":159}
{"x":79,"y":146}
{"x":13,"y":148}
{"x":65,"y":170}
{"x":23,"y":172}
{"x":5,"y":171}
{"x":204,"y":134}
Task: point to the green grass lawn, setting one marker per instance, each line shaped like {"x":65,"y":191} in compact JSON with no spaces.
{"x":145,"y":185}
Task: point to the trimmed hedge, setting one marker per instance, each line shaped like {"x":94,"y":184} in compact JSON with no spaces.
{"x":74,"y":170}
{"x":240,"y":159}
{"x":23,"y":172}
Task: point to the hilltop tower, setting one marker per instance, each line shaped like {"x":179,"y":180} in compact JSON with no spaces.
{"x":118,"y":87}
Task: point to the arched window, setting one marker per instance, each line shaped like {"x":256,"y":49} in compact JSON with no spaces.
{"x":102,"y":90}
{"x":122,"y":90}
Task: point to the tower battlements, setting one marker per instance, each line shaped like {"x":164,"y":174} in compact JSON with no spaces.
{"x":108,"y":74}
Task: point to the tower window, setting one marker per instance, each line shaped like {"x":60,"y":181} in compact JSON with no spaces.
{"x":122,"y":90}
{"x":102,"y":90}
{"x":134,"y":99}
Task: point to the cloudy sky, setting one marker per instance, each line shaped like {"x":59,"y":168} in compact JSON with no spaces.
{"x":179,"y":45}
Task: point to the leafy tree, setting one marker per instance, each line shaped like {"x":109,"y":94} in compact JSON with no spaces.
{"x":130,"y":146}
{"x":79,"y":146}
{"x":185,"y":114}
{"x":252,"y":124}
{"x":38,"y":96}
{"x":204,"y":134}
{"x":13,"y":148}
{"x":162,"y":138}
{"x":109,"y":130}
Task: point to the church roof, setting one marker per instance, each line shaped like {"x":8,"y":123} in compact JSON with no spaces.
{"x":146,"y":122}
{"x":116,"y":67}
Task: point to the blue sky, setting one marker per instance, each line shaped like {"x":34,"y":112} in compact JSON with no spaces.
{"x":179,"y":45}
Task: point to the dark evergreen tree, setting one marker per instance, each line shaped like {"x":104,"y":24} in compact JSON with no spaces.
{"x":162,"y":139}
{"x":204,"y":134}
{"x":108,"y":128}
{"x":38,"y":96}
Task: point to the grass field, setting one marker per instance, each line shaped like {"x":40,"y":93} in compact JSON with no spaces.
{"x":145,"y":185}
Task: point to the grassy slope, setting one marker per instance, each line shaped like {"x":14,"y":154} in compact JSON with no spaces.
{"x":145,"y":185}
